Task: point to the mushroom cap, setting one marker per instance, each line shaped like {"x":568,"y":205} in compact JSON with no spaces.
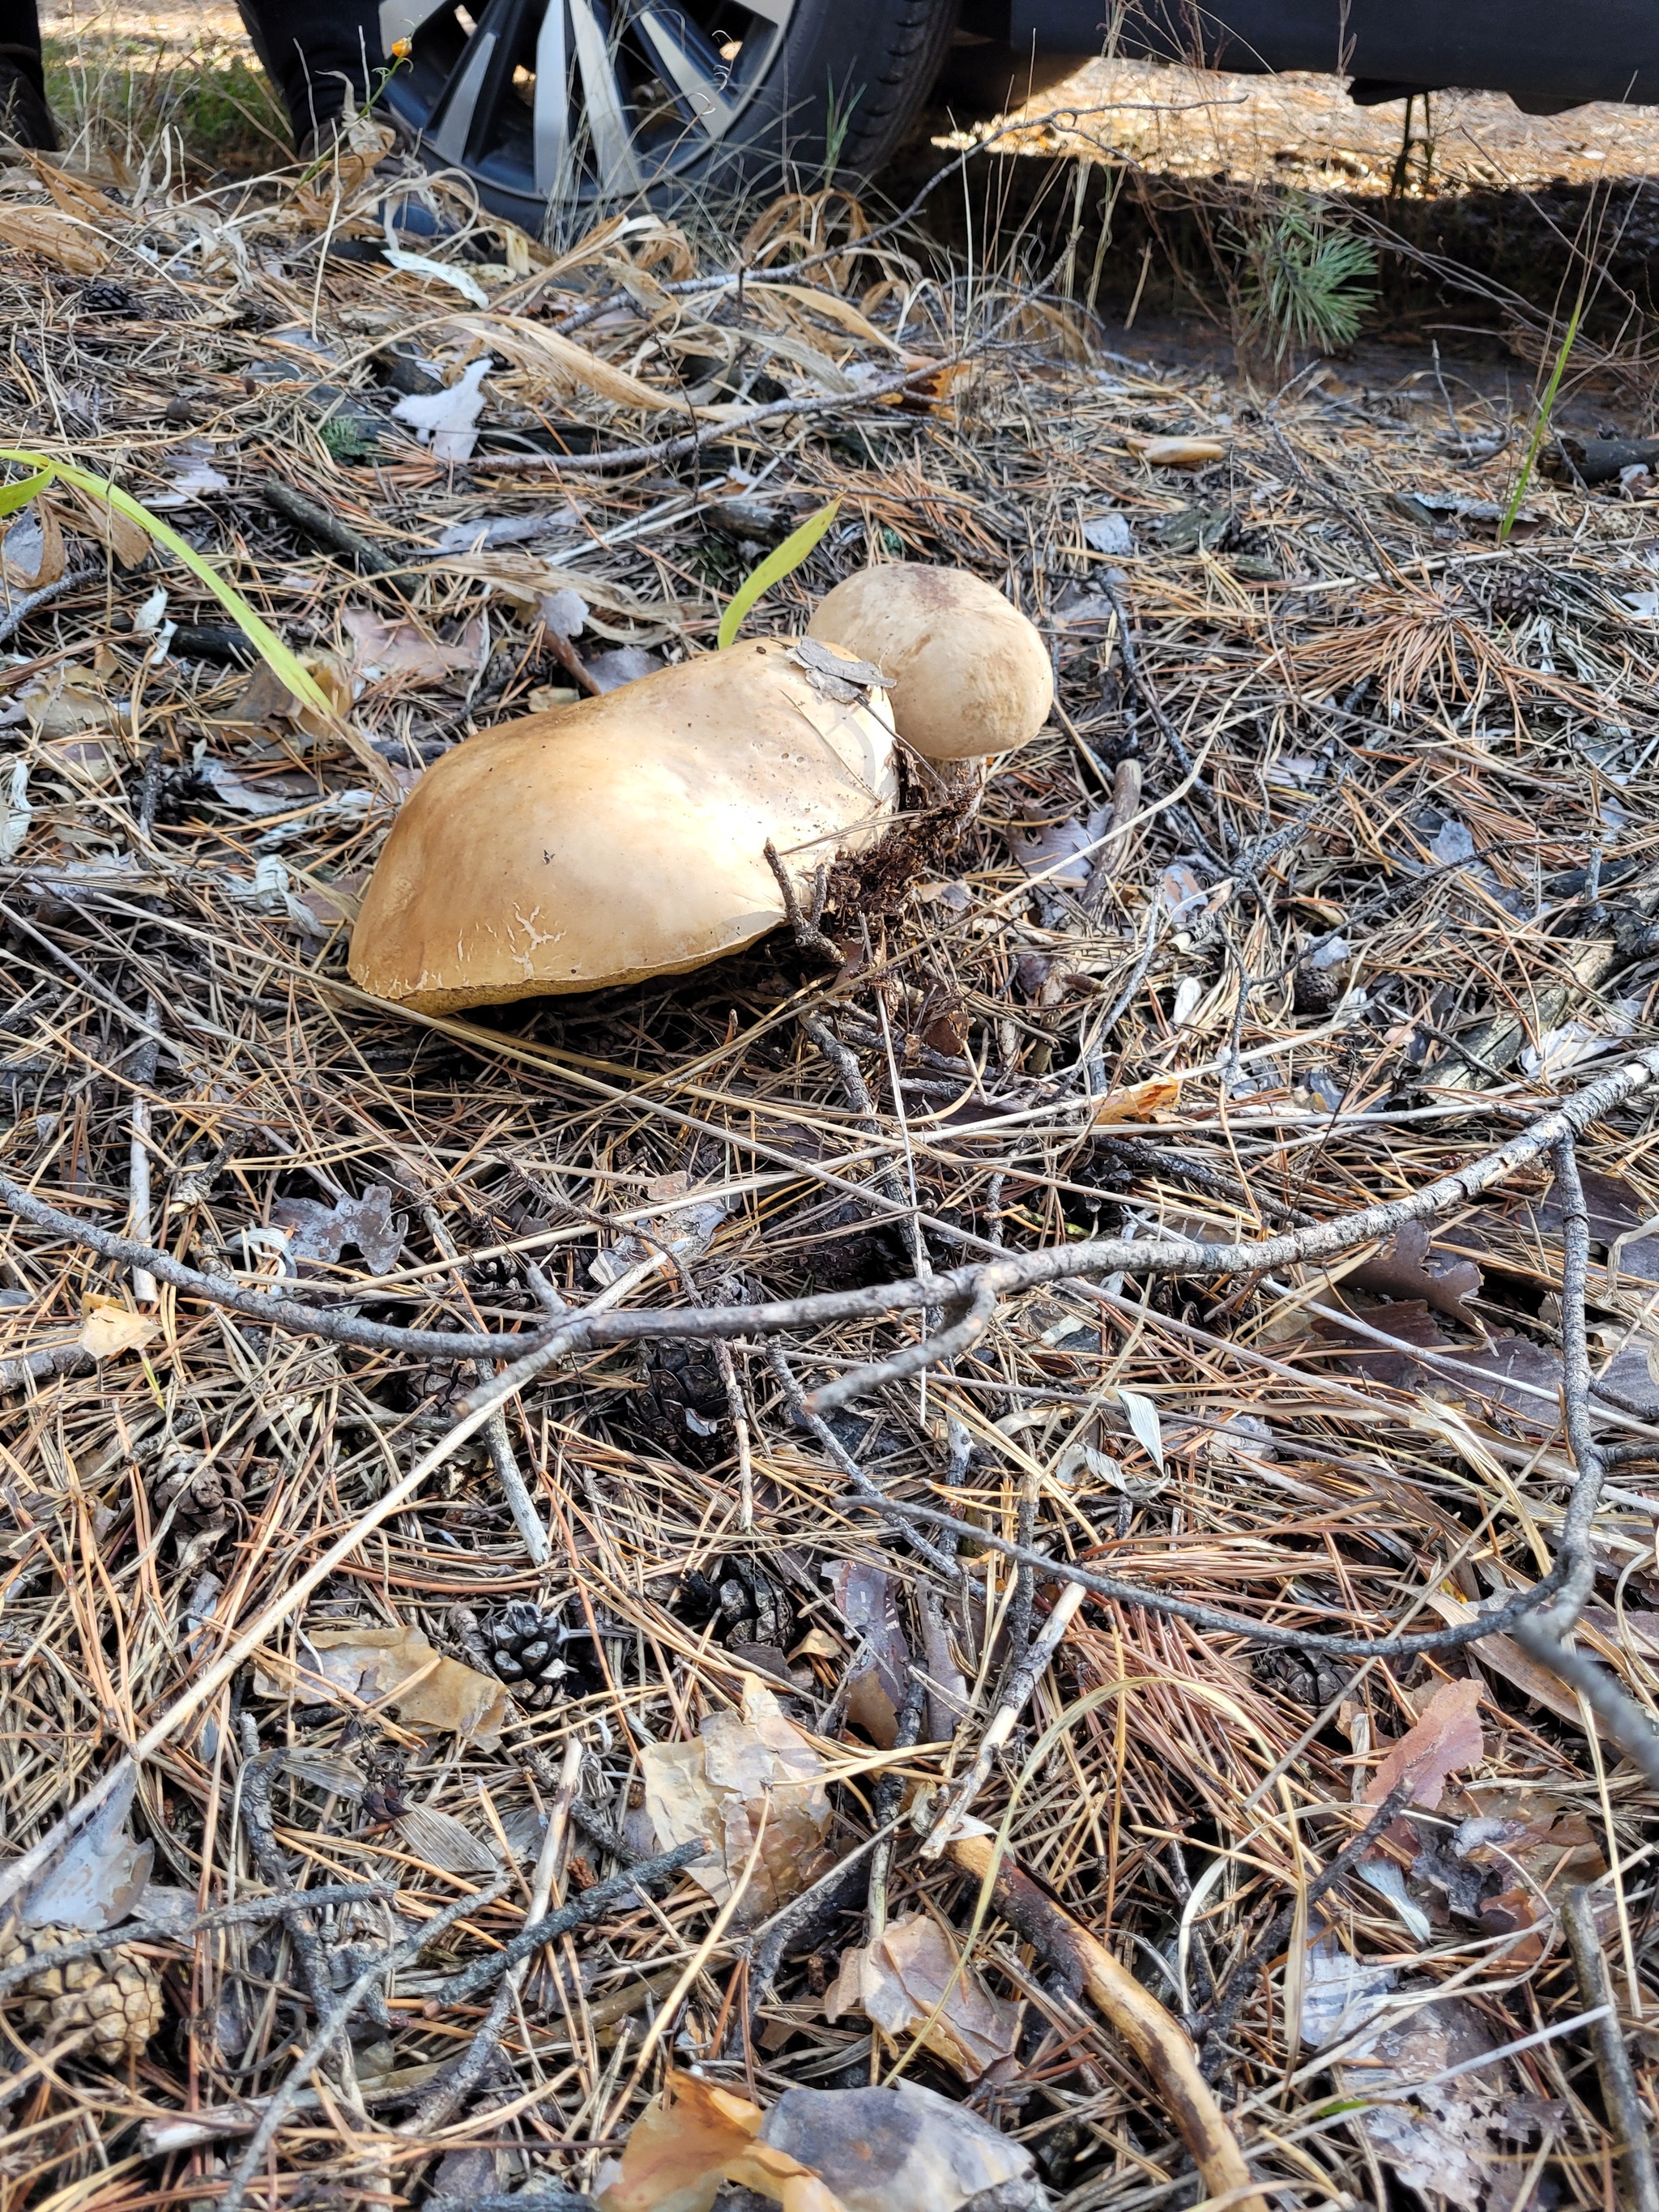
{"x":620,"y":837}
{"x":970,"y":673}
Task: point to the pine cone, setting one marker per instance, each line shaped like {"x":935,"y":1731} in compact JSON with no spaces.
{"x":1514,"y":593}
{"x":523,"y":1651}
{"x":742,"y":1600}
{"x":117,"y":1993}
{"x":684,"y":1396}
{"x":204,"y":1491}
{"x":104,"y":296}
{"x":1307,"y":1677}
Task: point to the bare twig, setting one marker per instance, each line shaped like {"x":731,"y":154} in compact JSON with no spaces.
{"x":1162,"y":2045}
{"x":1242,"y":1982}
{"x":1021,"y":1683}
{"x":1626,"y":2111}
{"x":804,"y":924}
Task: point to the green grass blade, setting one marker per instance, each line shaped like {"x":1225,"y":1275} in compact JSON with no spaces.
{"x":1541,"y":428}
{"x":277,"y":658}
{"x":773,"y":568}
{"x":14,"y":495}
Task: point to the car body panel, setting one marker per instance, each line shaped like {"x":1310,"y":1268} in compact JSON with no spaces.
{"x":1555,"y":55}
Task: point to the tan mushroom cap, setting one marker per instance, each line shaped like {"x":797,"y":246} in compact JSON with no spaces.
{"x":970,"y":673}
{"x":622,"y":837}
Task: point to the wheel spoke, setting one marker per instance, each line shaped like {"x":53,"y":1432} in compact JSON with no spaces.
{"x":689,"y":64}
{"x":605,"y":102}
{"x":774,"y":12}
{"x":552,"y":110}
{"x":471,"y":103}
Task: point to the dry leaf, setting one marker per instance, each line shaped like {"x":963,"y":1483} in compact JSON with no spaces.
{"x":567,"y":367}
{"x":1177,"y":452}
{"x":1453,"y":2143}
{"x":1142,"y":1100}
{"x":56,"y":236}
{"x":902,"y":2149}
{"x":742,"y":1766}
{"x":109,"y":1326}
{"x":691,"y":2138}
{"x":867,"y":1597}
{"x":63,"y":709}
{"x":126,"y":541}
{"x":898,"y":1981}
{"x":85,"y":759}
{"x":321,"y":1233}
{"x":403,"y":649}
{"x":1446,"y":1738}
{"x":101,"y":1874}
{"x":369,"y":1663}
{"x":32,"y":553}
{"x":1409,"y":1267}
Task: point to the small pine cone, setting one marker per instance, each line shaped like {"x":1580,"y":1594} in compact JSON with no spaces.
{"x":117,"y":1993}
{"x":1514,"y":594}
{"x":204,"y":1491}
{"x":685,"y":1391}
{"x":1306,"y":1676}
{"x":523,"y":1651}
{"x":104,"y":296}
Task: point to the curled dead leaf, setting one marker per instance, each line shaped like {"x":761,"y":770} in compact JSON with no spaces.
{"x":743,"y":1767}
{"x":63,"y":239}
{"x":126,"y":541}
{"x":694,"y":2136}
{"x":393,"y":1667}
{"x":1140,"y":1101}
{"x":1446,"y":1738}
{"x":902,"y":2148}
{"x":32,"y":553}
{"x":1176,"y":453}
{"x":911,"y":1979}
{"x":110,"y":1327}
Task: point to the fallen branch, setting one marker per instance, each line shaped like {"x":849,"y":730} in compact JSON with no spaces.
{"x":1024,"y":1681}
{"x":461,"y":1988}
{"x":1243,"y":1978}
{"x":971,"y":1292}
{"x":246,"y":1912}
{"x":1162,"y":2045}
{"x":1494,"y":1621}
{"x":1620,"y":2092}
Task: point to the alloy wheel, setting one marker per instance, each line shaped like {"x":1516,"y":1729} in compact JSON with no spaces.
{"x":555,"y":108}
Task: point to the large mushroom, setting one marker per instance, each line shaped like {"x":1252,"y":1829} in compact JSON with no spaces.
{"x":625,"y":836}
{"x":968,"y":673}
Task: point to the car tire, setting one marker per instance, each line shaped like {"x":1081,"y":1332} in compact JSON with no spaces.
{"x":654,"y":110}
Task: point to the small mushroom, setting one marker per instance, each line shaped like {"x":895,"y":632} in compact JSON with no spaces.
{"x":968,"y":673}
{"x":624,"y":837}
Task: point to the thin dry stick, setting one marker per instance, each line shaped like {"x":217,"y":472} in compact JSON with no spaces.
{"x":145,"y":1288}
{"x":333,"y":2023}
{"x":1620,"y":2091}
{"x":515,"y":1490}
{"x":1162,"y":2045}
{"x":1015,"y":1698}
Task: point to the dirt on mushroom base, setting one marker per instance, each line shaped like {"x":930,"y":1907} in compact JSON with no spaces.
{"x":1400,"y":905}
